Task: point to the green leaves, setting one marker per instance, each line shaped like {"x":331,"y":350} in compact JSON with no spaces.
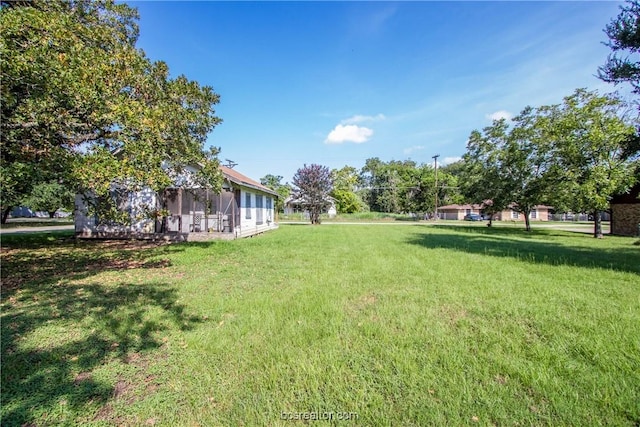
{"x":404,"y":186}
{"x":79,"y":96}
{"x":589,"y":138}
{"x":345,"y":184}
{"x":624,"y":37}
{"x":49,"y":197}
{"x":573,"y":156}
{"x":274,"y":182}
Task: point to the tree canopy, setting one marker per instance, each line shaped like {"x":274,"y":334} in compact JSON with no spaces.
{"x":624,"y":40}
{"x":570,"y":155}
{"x":589,"y":138}
{"x":49,"y":197}
{"x":274,"y":182}
{"x":345,"y":190}
{"x":406,"y":187}
{"x":79,"y":97}
{"x":312,"y":187}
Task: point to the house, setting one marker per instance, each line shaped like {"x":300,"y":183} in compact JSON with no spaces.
{"x":457,"y":212}
{"x":243,"y":208}
{"x":295,"y":205}
{"x":538,"y":213}
{"x":625,"y":213}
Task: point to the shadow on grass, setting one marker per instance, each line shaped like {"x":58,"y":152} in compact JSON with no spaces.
{"x":408,"y":218}
{"x":82,"y":324}
{"x":512,"y":230}
{"x":529,"y":246}
{"x":50,"y":257}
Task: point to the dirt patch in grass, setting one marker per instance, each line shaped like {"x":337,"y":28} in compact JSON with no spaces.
{"x":129,"y":390}
{"x":362,"y":302}
{"x":452,"y":313}
{"x":82,"y":376}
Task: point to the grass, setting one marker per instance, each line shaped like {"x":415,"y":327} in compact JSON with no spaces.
{"x":409,"y":325}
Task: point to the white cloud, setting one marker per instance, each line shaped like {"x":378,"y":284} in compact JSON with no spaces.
{"x":358,"y":118}
{"x":349,"y":133}
{"x":449,"y":160}
{"x":414,"y":148}
{"x":502,"y":114}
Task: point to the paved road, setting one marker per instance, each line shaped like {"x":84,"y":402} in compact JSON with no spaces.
{"x":558,"y":226}
{"x":46,"y":229}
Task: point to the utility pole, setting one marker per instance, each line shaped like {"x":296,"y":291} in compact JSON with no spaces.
{"x":230,"y":164}
{"x":435,"y":160}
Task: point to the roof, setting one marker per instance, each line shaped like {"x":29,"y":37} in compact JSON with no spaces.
{"x":240,"y":179}
{"x":447,"y":207}
{"x":460,"y":207}
{"x":292,"y":200}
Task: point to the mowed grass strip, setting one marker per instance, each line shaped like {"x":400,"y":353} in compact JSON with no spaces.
{"x":379,"y":325}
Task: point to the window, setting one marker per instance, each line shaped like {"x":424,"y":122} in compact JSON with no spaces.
{"x":515,"y":215}
{"x":467,"y":211}
{"x":269,"y":203}
{"x":247,"y":205}
{"x":259,"y":210}
{"x":534,"y":214}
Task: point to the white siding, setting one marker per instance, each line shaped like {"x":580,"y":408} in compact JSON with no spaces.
{"x":249,"y":225}
{"x":135,"y":204}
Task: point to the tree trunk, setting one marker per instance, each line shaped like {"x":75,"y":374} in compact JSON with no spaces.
{"x":490,"y":221}
{"x":5,"y":214}
{"x":527,"y":221}
{"x":52,"y":214}
{"x":163,"y":206}
{"x":597,"y":225}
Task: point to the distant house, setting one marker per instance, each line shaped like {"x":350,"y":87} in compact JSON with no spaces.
{"x":26,"y":212}
{"x":457,"y":212}
{"x":625,"y":213}
{"x":538,"y":213}
{"x":243,"y":208}
{"x":296,"y":205}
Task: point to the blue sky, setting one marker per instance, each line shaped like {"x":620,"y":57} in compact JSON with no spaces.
{"x":335,"y":83}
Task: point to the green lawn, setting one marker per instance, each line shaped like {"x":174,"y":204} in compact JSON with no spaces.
{"x":383,"y":325}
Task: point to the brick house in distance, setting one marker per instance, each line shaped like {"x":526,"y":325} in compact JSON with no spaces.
{"x":625,"y":212}
{"x":457,"y":212}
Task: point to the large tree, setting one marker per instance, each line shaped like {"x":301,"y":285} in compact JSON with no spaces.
{"x":77,"y":94}
{"x":49,"y":197}
{"x":481,"y":179}
{"x":589,"y":138}
{"x":345,"y":190}
{"x":624,"y":40}
{"x":623,"y":64}
{"x":526,"y":160}
{"x":507,"y":167}
{"x":312,"y":187}
{"x":406,"y":187}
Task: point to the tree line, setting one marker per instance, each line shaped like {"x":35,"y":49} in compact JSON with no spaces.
{"x":574,"y":156}
{"x":83,"y":109}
